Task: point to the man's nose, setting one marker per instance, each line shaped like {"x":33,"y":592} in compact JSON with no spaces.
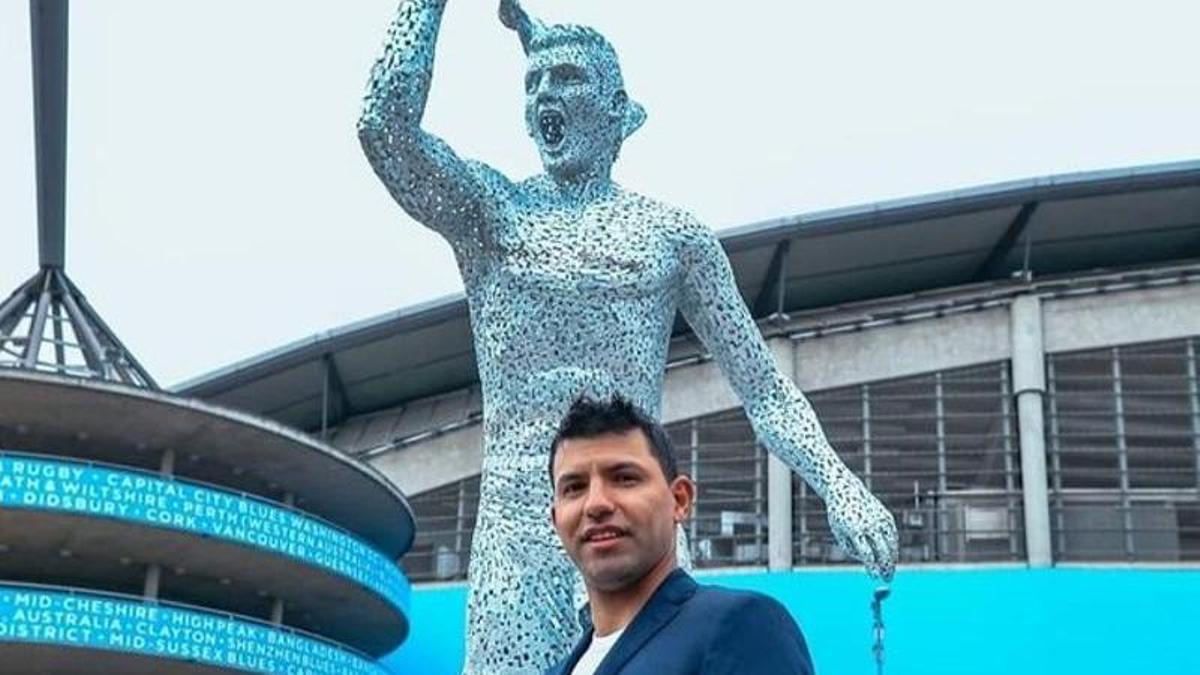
{"x":599,"y":502}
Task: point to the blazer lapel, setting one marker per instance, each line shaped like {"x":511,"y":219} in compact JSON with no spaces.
{"x":580,"y":647}
{"x":658,"y":612}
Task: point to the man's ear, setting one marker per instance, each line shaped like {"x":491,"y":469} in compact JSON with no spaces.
{"x":684,"y":491}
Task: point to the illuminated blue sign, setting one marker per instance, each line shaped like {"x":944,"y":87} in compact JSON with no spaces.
{"x":75,"y":487}
{"x":100,"y":622}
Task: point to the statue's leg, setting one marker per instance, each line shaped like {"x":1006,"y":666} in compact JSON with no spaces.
{"x":683,"y":552}
{"x":520,"y":614}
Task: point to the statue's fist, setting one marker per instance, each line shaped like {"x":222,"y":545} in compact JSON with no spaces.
{"x":863,"y":526}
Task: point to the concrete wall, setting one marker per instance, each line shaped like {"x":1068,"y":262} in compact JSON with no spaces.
{"x":978,"y":621}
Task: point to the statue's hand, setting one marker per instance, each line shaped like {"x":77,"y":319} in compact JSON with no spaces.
{"x":863,"y":526}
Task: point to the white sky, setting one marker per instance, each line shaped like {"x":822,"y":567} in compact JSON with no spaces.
{"x":219,"y":206}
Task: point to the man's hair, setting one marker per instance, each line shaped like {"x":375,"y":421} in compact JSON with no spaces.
{"x":589,"y":418}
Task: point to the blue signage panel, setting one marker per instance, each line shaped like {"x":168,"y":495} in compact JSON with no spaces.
{"x":54,"y":485}
{"x":100,"y":622}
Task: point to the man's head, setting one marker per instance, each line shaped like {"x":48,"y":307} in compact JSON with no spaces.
{"x":576,"y":109}
{"x":617,"y":493}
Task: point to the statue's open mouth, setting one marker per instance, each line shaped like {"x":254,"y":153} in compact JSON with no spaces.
{"x":551,"y":123}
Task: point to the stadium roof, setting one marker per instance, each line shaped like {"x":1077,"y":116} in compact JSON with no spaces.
{"x":1043,"y":226}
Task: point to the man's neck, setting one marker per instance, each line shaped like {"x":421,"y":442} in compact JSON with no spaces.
{"x":614,"y":610}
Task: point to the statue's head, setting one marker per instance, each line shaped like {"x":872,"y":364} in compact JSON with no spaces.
{"x":576,"y":108}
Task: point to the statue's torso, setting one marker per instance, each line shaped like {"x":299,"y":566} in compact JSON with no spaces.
{"x":577,"y":300}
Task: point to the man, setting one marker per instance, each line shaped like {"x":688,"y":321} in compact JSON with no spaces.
{"x":618,"y":498}
{"x":573,"y":284}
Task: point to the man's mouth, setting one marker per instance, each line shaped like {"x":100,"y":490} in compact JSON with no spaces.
{"x":551,"y":124}
{"x":598,"y":535}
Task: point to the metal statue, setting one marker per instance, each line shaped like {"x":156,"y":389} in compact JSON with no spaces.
{"x":573,"y":283}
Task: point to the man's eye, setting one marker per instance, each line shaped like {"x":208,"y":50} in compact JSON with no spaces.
{"x":570,"y":490}
{"x":627,"y":479}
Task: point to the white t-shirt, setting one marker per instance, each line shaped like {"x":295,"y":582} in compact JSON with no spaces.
{"x":596,"y":651}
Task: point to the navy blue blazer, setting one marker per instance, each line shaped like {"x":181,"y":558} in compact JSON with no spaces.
{"x":689,"y":628}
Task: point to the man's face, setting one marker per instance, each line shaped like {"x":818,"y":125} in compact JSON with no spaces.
{"x":572,"y":111}
{"x":614,"y":510}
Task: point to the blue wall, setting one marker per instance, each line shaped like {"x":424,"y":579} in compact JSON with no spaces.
{"x":991,"y":621}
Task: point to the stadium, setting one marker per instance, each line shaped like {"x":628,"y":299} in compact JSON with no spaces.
{"x":1012,"y":368}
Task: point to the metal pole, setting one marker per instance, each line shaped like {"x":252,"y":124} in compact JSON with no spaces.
{"x":759,"y":502}
{"x":56,"y":319}
{"x":939,"y":402}
{"x":324,"y":399}
{"x":1029,"y":385}
{"x":151,"y":582}
{"x":48,"y":26}
{"x":166,"y":465}
{"x":14,"y":306}
{"x":460,"y":518}
{"x":93,"y":318}
{"x":1122,"y":454}
{"x":946,"y":536}
{"x":694,"y":448}
{"x":781,"y":279}
{"x":866,"y":434}
{"x":1060,"y":543}
{"x":34,"y":344}
{"x":1194,"y":391}
{"x":93,"y":351}
{"x":1009,"y":487}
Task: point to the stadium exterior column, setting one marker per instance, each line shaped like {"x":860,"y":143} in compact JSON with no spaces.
{"x":166,"y":465}
{"x":779,"y":481}
{"x":1029,"y":388}
{"x":151,"y":581}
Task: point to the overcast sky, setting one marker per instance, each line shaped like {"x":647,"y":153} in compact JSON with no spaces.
{"x":219,"y":205}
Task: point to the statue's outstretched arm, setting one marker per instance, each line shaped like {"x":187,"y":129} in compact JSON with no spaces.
{"x":430,"y":182}
{"x":782,"y":417}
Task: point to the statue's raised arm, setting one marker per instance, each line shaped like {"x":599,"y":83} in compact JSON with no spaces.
{"x":455,"y":197}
